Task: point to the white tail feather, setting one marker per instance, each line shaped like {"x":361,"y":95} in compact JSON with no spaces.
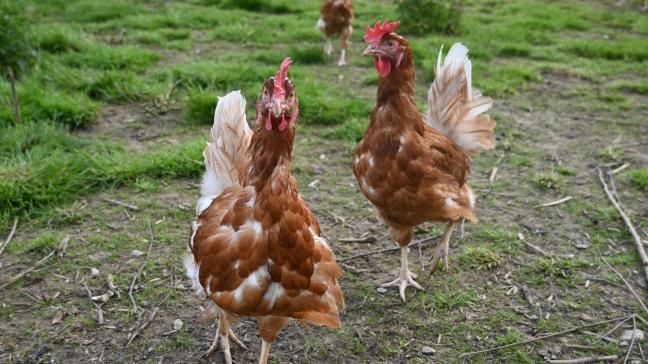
{"x":226,"y":153}
{"x":455,"y":109}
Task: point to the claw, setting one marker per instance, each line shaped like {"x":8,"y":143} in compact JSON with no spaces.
{"x":328,"y":48}
{"x":223,"y":334}
{"x":403,"y":281}
{"x":236,"y":340}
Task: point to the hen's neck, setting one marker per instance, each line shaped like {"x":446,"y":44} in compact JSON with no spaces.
{"x":268,"y":150}
{"x":399,"y":83}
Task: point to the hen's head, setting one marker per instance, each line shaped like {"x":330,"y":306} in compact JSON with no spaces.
{"x":387,"y":47}
{"x":277,"y":106}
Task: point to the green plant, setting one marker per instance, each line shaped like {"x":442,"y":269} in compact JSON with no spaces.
{"x":639,"y":178}
{"x":264,"y":6}
{"x":16,"y":51}
{"x":200,"y":106}
{"x":427,"y":16}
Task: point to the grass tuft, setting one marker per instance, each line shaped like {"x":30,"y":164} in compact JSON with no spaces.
{"x":639,"y":177}
{"x":199,"y":107}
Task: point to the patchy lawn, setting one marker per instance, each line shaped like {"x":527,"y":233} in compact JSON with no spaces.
{"x":119,"y":107}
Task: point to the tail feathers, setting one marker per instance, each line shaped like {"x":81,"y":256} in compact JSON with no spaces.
{"x":455,"y":108}
{"x":227,"y":153}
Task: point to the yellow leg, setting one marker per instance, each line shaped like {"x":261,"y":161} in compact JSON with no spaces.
{"x":405,"y":276}
{"x":265,"y":352}
{"x":223,"y":334}
{"x":443,"y":248}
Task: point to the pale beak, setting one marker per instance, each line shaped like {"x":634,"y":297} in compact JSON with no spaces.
{"x":276,"y":108}
{"x":369,"y":50}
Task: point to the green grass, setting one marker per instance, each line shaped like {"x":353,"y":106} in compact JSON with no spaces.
{"x":639,"y":178}
{"x":545,"y":64}
{"x":43,"y":166}
{"x":199,"y":106}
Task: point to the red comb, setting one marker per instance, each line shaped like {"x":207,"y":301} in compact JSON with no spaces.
{"x":279,"y":90}
{"x":373,"y":36}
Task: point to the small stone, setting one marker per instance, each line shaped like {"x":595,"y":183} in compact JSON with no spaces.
{"x":177,"y":325}
{"x":626,"y":335}
{"x":381,"y":290}
{"x":581,"y":244}
{"x":94,"y":271}
{"x":137,"y":253}
{"x":428,"y":350}
{"x":586,"y":317}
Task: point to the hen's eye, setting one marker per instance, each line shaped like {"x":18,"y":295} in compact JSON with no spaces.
{"x":265,"y":93}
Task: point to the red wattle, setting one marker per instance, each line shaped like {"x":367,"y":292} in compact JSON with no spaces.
{"x":284,"y":124}
{"x":383,"y":66}
{"x":268,"y":124}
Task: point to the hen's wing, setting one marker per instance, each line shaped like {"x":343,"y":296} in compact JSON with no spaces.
{"x":264,"y":256}
{"x":226,"y":155}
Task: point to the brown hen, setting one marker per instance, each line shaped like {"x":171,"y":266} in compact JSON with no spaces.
{"x":336,"y":18}
{"x":255,"y":248}
{"x":414,"y":168}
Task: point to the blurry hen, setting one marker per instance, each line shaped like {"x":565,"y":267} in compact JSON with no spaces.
{"x":336,"y":17}
{"x":414,"y":168}
{"x":255,"y":248}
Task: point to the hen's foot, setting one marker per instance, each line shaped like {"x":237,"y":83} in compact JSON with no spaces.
{"x":405,"y":279}
{"x":442,"y":251}
{"x":224,"y":340}
{"x":328,"y":48}
{"x":236,"y":340}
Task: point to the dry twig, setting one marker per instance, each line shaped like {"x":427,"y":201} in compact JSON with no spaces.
{"x":542,"y":337}
{"x":11,"y":234}
{"x":100,"y":318}
{"x":636,"y":296}
{"x":368,"y":239}
{"x":28,"y":270}
{"x":387,"y":250}
{"x":626,"y":219}
{"x":538,"y":249}
{"x":63,"y":246}
{"x":632,"y":341}
{"x":139,"y":271}
{"x":589,"y":359}
{"x":138,"y":330}
{"x":121,"y":203}
{"x":557,"y":202}
{"x":617,"y":170}
{"x":491,"y":179}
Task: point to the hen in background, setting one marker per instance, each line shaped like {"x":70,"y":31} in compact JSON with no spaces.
{"x":336,"y":18}
{"x":414,"y":168}
{"x":255,"y":248}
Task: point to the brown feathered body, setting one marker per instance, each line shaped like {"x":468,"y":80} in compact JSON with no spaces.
{"x":337,"y":16}
{"x":410,"y":171}
{"x":255,"y":246}
{"x":414,"y":168}
{"x":336,"y":20}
